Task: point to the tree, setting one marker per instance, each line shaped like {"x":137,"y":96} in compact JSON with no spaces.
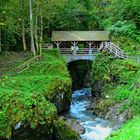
{"x":22,"y":5}
{"x":31,"y":28}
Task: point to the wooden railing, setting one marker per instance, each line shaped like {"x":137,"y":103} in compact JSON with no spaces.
{"x":113,"y":49}
{"x":15,"y":71}
{"x":80,"y":51}
{"x":27,"y":64}
{"x":21,"y":68}
{"x":47,"y":46}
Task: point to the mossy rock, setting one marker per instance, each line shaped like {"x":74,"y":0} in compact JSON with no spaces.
{"x":64,"y":132}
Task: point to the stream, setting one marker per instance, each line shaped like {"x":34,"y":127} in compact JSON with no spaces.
{"x":95,"y":128}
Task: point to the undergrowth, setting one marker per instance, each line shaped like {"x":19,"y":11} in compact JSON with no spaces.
{"x":120,"y":84}
{"x":28,"y":96}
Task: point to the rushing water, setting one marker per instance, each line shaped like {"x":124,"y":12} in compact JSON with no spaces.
{"x":96,"y":128}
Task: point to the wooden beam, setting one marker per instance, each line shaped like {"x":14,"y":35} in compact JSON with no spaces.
{"x":57,"y":44}
{"x":90,"y":43}
{"x":74,"y":43}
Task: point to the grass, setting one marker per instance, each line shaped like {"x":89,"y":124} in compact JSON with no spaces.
{"x":130,"y":131}
{"x":28,"y":97}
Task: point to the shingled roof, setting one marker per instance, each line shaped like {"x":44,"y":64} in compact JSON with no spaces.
{"x":80,"y":36}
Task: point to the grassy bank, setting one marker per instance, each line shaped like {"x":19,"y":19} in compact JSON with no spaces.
{"x":129,"y":131}
{"x":29,"y":97}
{"x":119,"y":82}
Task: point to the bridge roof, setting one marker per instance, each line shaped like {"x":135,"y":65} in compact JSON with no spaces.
{"x":80,"y":36}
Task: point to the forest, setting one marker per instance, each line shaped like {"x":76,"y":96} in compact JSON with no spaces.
{"x":120,"y":17}
{"x":31,"y":102}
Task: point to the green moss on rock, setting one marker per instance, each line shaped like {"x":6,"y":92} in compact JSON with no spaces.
{"x":64,"y":132}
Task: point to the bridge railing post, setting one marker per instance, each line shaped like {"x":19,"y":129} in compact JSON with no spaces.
{"x":90,"y":51}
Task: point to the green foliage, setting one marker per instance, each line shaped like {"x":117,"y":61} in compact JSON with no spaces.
{"x":17,"y":106}
{"x":127,"y":44}
{"x":27,"y":97}
{"x":121,"y":93}
{"x":106,"y":68}
{"x":120,"y":80}
{"x":101,"y":66}
{"x":121,"y":85}
{"x":129,"y":131}
{"x":124,"y":28}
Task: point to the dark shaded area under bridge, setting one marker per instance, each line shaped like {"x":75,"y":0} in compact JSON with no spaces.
{"x":80,"y":72}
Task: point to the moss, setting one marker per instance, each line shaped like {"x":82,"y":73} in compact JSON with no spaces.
{"x":103,"y":105}
{"x":29,"y":97}
{"x":64,"y":132}
{"x":23,"y":107}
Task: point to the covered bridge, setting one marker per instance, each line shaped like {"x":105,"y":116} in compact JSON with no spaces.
{"x":75,"y":37}
{"x":84,"y":45}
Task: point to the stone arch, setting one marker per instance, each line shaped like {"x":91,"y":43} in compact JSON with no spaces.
{"x":72,"y":58}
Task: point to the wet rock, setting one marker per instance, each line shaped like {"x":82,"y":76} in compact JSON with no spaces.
{"x":74,"y":125}
{"x":87,"y":79}
{"x":62,"y":101}
{"x":81,"y":91}
{"x":63,"y":131}
{"x":111,"y":112}
{"x":114,"y":113}
{"x":25,"y":132}
{"x":97,"y":88}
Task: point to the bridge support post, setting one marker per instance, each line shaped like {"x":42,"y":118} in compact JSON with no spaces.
{"x":57,"y":44}
{"x":90,"y":47}
{"x":75,"y":48}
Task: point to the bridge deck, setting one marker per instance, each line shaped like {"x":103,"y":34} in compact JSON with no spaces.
{"x":80,"y":54}
{"x":75,"y":53}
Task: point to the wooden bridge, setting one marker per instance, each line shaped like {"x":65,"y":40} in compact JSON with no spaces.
{"x":80,"y":54}
{"x":93,"y":42}
{"x":89,"y":53}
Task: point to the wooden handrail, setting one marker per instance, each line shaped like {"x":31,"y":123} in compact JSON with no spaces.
{"x":113,"y":49}
{"x":21,"y":68}
{"x":26,"y":65}
{"x":79,"y":51}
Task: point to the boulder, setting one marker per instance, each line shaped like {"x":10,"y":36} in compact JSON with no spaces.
{"x":76,"y":126}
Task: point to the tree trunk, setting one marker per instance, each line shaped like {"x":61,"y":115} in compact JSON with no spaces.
{"x":23,"y":36}
{"x":0,"y":41}
{"x":36,"y":29}
{"x":41,"y":28}
{"x":31,"y":28}
{"x":23,"y":25}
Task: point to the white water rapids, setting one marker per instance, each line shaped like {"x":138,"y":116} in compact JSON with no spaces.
{"x":96,"y":128}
